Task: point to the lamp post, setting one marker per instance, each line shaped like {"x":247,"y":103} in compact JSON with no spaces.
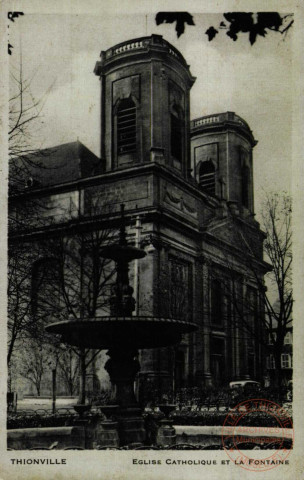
{"x":54,"y":390}
{"x":53,"y":365}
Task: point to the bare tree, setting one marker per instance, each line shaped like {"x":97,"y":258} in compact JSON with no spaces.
{"x":276,"y":217}
{"x":71,"y":279}
{"x":33,"y":363}
{"x":21,"y":322}
{"x":263,"y":313}
{"x":25,"y":117}
{"x":84,"y":286}
{"x":56,"y":277}
{"x":68,"y":363}
{"x":65,"y":361}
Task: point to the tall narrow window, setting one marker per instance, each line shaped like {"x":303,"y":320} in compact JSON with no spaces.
{"x":207,"y":177}
{"x":176,"y":135}
{"x":245,"y":186}
{"x":179,"y":290}
{"x":217,"y":360}
{"x":126,"y":127}
{"x":270,"y":362}
{"x":216,"y":303}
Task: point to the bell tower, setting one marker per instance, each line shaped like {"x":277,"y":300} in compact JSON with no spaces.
{"x":145,"y":85}
{"x":221,"y":151}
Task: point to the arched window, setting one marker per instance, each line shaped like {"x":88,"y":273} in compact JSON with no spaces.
{"x":126,"y":127}
{"x":176,"y":134}
{"x":207,"y":177}
{"x":245,"y":186}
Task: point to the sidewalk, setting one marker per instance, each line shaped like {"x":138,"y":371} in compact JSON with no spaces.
{"x":46,"y":403}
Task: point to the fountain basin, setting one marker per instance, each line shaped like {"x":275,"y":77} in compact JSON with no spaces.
{"x":108,"y":410}
{"x":166,"y":408}
{"x":111,"y":332}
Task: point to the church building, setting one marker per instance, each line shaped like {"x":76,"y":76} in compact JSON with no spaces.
{"x":187,"y":188}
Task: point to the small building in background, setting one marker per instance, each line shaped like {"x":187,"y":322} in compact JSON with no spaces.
{"x":286,"y":357}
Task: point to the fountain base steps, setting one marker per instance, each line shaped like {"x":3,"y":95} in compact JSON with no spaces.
{"x":131,"y":426}
{"x":107,"y":434}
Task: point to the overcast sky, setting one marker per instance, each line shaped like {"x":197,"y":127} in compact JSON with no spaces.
{"x":253,"y":81}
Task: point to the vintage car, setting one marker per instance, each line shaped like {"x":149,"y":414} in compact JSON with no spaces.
{"x":245,"y":385}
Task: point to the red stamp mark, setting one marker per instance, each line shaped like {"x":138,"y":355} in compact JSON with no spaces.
{"x":257,"y":448}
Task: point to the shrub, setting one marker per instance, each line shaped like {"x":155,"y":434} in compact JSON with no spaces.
{"x":215,"y":418}
{"x":50,"y":420}
{"x":256,"y":419}
{"x":198,"y":397}
{"x":35,"y":421}
{"x":102,"y":398}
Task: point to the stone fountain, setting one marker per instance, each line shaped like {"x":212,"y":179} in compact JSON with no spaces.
{"x":122,"y":335}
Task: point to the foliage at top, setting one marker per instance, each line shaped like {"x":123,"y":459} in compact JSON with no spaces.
{"x":255,"y":24}
{"x":181,"y":18}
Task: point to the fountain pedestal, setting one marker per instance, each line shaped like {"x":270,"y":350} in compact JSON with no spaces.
{"x":131,"y":426}
{"x":122,"y":368}
{"x":107,"y":430}
{"x":107,"y":434}
{"x":166,"y":434}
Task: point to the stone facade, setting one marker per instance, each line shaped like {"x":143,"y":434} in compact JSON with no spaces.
{"x":187,"y":188}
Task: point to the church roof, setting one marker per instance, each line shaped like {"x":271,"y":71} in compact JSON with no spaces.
{"x":53,"y":166}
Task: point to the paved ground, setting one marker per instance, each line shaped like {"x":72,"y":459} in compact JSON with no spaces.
{"x":45,"y":403}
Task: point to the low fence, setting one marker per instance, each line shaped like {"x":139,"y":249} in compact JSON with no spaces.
{"x":196,"y":429}
{"x":187,"y":438}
